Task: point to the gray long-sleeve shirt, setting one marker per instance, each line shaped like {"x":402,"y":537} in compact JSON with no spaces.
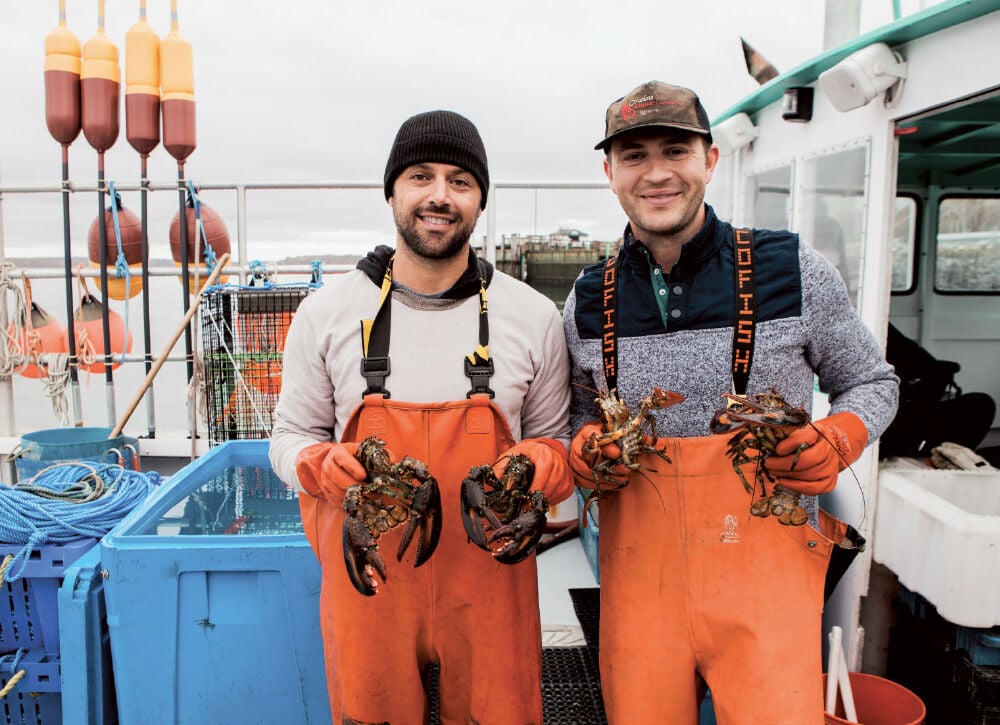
{"x":430,"y":337}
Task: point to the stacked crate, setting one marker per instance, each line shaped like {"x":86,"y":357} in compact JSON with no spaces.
{"x":954,"y":669}
{"x":30,"y":653}
{"x":243,"y":332}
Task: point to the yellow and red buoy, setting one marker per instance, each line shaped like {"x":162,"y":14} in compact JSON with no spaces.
{"x":62,"y":81}
{"x":100,"y":89}
{"x":130,"y":230}
{"x":142,"y":85}
{"x":177,"y":91}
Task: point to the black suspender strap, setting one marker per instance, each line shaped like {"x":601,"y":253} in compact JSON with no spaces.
{"x":375,"y":340}
{"x":609,"y":341}
{"x":479,"y":364}
{"x":745,"y":292}
{"x":375,"y":343}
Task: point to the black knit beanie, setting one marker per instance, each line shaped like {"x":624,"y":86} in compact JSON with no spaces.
{"x":441,"y":137}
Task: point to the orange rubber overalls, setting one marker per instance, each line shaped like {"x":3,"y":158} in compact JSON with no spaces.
{"x":693,"y":586}
{"x":474,"y":617}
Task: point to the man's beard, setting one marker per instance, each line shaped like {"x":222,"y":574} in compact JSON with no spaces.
{"x":430,"y":248}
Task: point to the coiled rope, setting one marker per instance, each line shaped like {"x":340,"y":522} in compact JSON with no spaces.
{"x":66,"y":502}
{"x":12,"y":358}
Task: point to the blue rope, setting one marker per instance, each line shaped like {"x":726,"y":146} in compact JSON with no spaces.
{"x":209,"y":254}
{"x":121,"y":264}
{"x":67,"y":502}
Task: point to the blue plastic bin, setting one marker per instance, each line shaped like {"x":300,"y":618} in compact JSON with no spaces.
{"x":589,"y":531}
{"x":88,"y":690}
{"x":43,"y":448}
{"x":29,"y":612}
{"x":213,"y":601}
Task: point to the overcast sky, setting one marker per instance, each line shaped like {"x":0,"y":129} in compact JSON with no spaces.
{"x":304,"y":90}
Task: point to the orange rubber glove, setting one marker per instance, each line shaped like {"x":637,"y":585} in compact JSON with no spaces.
{"x":582,"y":463}
{"x":552,"y":474}
{"x":835,"y":442}
{"x":327,"y":470}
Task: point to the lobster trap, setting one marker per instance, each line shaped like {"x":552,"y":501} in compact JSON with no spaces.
{"x":243,"y":332}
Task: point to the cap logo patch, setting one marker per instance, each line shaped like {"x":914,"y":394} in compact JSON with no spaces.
{"x":627,"y":113}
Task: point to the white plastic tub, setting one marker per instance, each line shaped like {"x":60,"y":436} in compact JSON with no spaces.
{"x":939,"y":531}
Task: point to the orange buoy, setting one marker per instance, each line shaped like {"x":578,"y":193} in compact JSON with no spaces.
{"x":129,"y":229}
{"x":62,"y":81}
{"x":100,"y":83}
{"x":177,"y":91}
{"x":39,"y":333}
{"x":142,"y":85}
{"x":89,"y":327}
{"x":216,"y":237}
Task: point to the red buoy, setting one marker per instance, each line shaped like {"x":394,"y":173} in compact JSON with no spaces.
{"x":130,"y":231}
{"x":216,"y":236}
{"x":62,"y":81}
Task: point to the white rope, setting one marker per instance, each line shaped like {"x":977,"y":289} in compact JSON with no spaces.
{"x":12,"y":356}
{"x":197,"y":388}
{"x":56,"y":381}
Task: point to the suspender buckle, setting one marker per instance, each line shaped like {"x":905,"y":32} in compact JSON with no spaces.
{"x":480,"y":375}
{"x":375,"y":370}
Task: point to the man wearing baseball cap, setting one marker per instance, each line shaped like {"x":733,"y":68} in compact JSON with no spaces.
{"x":694,"y":589}
{"x":406,"y":349}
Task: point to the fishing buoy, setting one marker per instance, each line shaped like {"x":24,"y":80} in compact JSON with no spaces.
{"x":142,"y":85}
{"x":62,"y":81}
{"x":100,"y":83}
{"x":216,"y":238}
{"x":129,"y":229}
{"x":88,"y":321}
{"x":177,"y":91}
{"x":39,"y":334}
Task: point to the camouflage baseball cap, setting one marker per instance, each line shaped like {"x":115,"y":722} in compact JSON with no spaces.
{"x":655,"y":104}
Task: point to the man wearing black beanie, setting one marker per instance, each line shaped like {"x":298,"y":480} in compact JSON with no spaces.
{"x":459,"y":385}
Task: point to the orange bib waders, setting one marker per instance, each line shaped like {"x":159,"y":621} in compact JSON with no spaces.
{"x":693,"y":585}
{"x":474,"y":617}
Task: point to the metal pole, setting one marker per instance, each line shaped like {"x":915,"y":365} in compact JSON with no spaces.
{"x":74,"y":380}
{"x":144,"y":231}
{"x":102,"y":227}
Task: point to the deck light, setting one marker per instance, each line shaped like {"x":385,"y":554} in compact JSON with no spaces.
{"x":862,"y":76}
{"x":734,"y":133}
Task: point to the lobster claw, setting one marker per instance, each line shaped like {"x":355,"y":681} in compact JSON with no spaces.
{"x":523,"y":533}
{"x":361,"y":556}
{"x":475,"y":507}
{"x":425,"y":513}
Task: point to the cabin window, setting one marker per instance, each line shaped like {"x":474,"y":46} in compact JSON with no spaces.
{"x":904,"y":245}
{"x":967,"y":258}
{"x":833,"y":210}
{"x":769,"y":199}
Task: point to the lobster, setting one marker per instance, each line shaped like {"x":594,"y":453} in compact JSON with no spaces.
{"x":515,"y":514}
{"x":760,"y":422}
{"x":393,"y":494}
{"x":620,"y":427}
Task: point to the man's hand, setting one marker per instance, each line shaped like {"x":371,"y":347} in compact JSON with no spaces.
{"x":582,"y":463}
{"x":552,"y":474}
{"x":327,"y":470}
{"x":833,"y":443}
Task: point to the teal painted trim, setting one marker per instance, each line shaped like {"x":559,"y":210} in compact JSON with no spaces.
{"x":896,"y":12}
{"x":926,"y":22}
